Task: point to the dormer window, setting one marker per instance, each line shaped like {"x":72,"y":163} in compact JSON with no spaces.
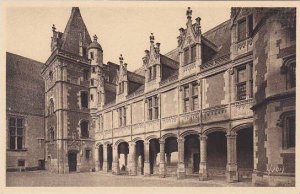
{"x":121,"y":87}
{"x":189,"y":55}
{"x":242,"y":30}
{"x":152,"y":72}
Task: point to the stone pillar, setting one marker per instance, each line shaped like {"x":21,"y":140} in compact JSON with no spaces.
{"x":231,"y":167}
{"x":96,"y":154}
{"x":168,"y":156}
{"x":180,"y":165}
{"x":162,"y":163}
{"x":115,"y":162}
{"x":203,"y":175}
{"x":146,"y":159}
{"x":105,"y":162}
{"x":132,"y":170}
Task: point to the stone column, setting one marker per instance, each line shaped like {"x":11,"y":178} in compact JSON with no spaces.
{"x":105,"y":162}
{"x":132,"y":159}
{"x":146,"y":159}
{"x":231,"y":167}
{"x":168,"y":156}
{"x":96,"y":155}
{"x":115,"y":162}
{"x":162,"y":163}
{"x":203,"y":175}
{"x":180,"y":165}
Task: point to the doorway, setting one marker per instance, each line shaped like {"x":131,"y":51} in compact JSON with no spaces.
{"x":72,"y":161}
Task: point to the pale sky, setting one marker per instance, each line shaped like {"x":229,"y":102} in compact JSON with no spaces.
{"x":119,"y":29}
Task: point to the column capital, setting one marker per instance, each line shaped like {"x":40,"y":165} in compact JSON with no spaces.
{"x":161,"y":141}
{"x":180,"y":140}
{"x":231,"y":135}
{"x":202,"y":137}
{"x":132,"y":143}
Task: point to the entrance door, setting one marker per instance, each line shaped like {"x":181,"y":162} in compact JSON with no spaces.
{"x":196,"y":160}
{"x":72,"y":159}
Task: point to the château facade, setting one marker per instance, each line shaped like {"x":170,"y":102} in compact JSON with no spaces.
{"x":222,"y":103}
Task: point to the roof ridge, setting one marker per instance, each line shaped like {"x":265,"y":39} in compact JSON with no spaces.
{"x":20,"y":56}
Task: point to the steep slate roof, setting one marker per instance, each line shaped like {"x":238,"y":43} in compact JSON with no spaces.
{"x":74,"y":29}
{"x":24,"y":85}
{"x":221,"y":37}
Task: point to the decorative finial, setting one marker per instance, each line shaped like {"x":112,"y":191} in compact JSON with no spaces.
{"x":95,"y":38}
{"x":121,"y":59}
{"x":152,"y":38}
{"x":198,"y":20}
{"x":189,"y":13}
{"x":53,"y":28}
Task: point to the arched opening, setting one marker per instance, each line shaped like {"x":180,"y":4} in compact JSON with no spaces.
{"x":153,"y":158}
{"x":192,"y":154}
{"x":217,"y":154}
{"x":123,"y":151}
{"x":72,"y":161}
{"x":139,"y":146}
{"x":109,"y":157}
{"x":244,"y":146}
{"x":84,"y":128}
{"x":171,"y":150}
{"x":100,"y":152}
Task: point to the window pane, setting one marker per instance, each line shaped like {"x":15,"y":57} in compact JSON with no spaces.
{"x":241,"y":91}
{"x":186,"y":56}
{"x":12,"y":142}
{"x":150,"y":114}
{"x":12,"y":122}
{"x":186,"y":105}
{"x":193,"y":54}
{"x":186,"y":92}
{"x":20,"y":131}
{"x":195,"y":103}
{"x":155,"y":101}
{"x":19,"y":142}
{"x":242,"y":30}
{"x":12,"y":131}
{"x":241,"y":75}
{"x":195,"y":90}
{"x":150,"y":103}
{"x":156,"y":113}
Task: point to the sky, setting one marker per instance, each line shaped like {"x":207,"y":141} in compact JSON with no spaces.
{"x":120,"y":29}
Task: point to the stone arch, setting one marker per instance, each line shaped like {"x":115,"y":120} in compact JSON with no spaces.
{"x":98,"y":144}
{"x":189,"y":132}
{"x":241,"y":126}
{"x":165,"y":136}
{"x":214,"y":129}
{"x":151,"y":137}
{"x":119,"y":141}
{"x":137,"y":139}
{"x":107,"y":142}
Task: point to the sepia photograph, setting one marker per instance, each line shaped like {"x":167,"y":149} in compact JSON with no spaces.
{"x":149,"y":94}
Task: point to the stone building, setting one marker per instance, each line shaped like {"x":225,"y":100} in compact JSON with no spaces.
{"x":24,"y":113}
{"x":220,"y":104}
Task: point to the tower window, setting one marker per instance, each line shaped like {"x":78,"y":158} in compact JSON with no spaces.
{"x":92,"y":55}
{"x":51,"y":135}
{"x":288,"y":124}
{"x":153,"y":111}
{"x":92,"y":82}
{"x":85,"y":75}
{"x":87,"y":154}
{"x":84,"y":127}
{"x":92,"y":97}
{"x":93,"y":69}
{"x":51,"y":107}
{"x":21,"y":163}
{"x":51,"y":75}
{"x":84,"y":99}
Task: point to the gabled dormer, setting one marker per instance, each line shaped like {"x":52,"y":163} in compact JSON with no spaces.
{"x":152,"y":65}
{"x":122,"y":83}
{"x":189,"y":43}
{"x":241,"y":31}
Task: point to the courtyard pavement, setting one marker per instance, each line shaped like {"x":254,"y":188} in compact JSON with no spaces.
{"x":101,"y":179}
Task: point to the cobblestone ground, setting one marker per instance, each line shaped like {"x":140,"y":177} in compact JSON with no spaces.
{"x":43,"y":178}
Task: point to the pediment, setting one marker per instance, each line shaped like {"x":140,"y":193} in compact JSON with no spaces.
{"x":189,"y":38}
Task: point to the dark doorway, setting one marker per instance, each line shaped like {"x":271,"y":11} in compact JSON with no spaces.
{"x":153,"y":150}
{"x":109,"y":156}
{"x":196,"y":162}
{"x":72,"y":160}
